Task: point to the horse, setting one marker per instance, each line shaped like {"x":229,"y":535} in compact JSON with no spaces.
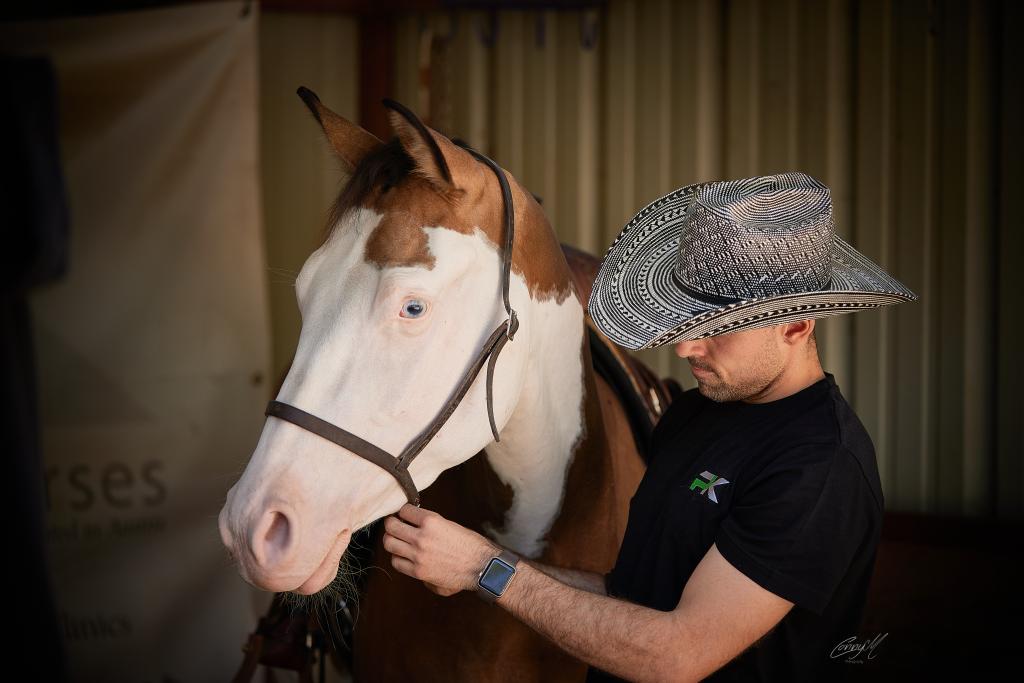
{"x":395,"y":303}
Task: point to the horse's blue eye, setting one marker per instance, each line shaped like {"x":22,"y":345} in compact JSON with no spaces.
{"x":413,"y":308}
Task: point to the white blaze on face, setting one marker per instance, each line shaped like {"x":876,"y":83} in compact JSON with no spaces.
{"x":363,"y":367}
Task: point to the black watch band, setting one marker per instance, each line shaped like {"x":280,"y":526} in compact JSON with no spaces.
{"x":496,"y":575}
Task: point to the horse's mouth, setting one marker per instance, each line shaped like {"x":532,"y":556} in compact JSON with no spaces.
{"x":328,"y":569}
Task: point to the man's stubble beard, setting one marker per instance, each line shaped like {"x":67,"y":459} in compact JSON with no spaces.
{"x":765,"y":368}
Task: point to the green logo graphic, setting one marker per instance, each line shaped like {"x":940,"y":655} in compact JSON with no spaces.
{"x":708,"y":486}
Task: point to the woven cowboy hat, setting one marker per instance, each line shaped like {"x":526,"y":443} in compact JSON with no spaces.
{"x":719,"y":257}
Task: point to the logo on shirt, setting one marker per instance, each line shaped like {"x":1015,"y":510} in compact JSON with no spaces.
{"x":708,"y":486}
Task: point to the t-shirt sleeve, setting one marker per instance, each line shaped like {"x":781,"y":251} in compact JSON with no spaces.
{"x":795,"y":528}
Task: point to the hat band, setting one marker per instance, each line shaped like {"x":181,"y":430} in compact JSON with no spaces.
{"x":718,"y":300}
{"x":713,"y":299}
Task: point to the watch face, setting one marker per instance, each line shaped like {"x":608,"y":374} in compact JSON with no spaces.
{"x":496,"y":576}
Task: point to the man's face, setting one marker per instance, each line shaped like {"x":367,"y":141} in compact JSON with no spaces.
{"x":733,"y":367}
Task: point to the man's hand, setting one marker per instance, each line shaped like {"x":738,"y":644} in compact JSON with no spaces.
{"x":447,"y":557}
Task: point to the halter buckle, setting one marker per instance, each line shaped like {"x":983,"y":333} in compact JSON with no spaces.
{"x":511,"y":325}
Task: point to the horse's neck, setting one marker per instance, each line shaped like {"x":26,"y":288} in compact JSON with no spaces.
{"x":552,"y":447}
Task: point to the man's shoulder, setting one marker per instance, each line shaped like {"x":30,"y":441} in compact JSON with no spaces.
{"x":855,"y":444}
{"x":830,"y":423}
{"x":826,"y":445}
{"x":850,"y":431}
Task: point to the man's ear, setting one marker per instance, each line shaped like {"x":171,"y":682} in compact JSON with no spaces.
{"x":350,"y":142}
{"x":446,"y":165}
{"x":797,"y":332}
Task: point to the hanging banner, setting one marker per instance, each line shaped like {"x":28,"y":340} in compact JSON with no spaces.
{"x":153,"y":352}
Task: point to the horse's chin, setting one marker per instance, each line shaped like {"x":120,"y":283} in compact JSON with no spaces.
{"x":328,"y":569}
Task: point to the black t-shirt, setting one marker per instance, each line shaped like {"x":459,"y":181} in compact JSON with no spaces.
{"x":789,"y":492}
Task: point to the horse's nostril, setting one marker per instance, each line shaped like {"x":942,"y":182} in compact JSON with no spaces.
{"x":272,"y":539}
{"x":277,"y":534}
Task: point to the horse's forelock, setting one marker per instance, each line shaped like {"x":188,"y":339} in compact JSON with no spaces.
{"x":384,"y":167}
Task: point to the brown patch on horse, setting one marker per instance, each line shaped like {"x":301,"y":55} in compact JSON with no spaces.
{"x":385,"y":182}
{"x":398,"y":240}
{"x":605,"y":472}
{"x":471,"y":492}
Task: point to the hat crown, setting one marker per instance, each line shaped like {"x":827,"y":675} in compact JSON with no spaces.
{"x":758,"y":237}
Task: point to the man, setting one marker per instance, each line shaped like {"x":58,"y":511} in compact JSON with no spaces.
{"x":752,"y":536}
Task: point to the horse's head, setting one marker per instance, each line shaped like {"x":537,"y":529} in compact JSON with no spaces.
{"x":395,"y":305}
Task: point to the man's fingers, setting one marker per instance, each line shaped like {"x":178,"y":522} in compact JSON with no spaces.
{"x":403,"y":565}
{"x":399,"y":529}
{"x":413,"y":514}
{"x":397,"y":546}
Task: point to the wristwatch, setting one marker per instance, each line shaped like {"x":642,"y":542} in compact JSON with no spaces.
{"x":497,"y":575}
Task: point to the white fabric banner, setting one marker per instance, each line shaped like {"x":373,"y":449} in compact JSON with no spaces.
{"x":153,"y":353}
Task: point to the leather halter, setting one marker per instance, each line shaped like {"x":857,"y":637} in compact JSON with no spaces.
{"x":399,"y":467}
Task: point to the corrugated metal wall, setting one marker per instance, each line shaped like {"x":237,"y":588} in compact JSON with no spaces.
{"x":903,"y":108}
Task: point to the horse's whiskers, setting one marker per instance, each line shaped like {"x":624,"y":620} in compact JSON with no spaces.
{"x":341,"y":596}
{"x":283,"y":276}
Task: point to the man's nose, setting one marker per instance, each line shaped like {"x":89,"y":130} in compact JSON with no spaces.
{"x":689,"y":348}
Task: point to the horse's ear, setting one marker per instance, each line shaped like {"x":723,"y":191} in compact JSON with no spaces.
{"x":437,"y":158}
{"x":350,"y":142}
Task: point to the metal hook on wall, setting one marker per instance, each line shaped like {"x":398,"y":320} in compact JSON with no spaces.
{"x":487,"y":29}
{"x":453,"y":29}
{"x":589,"y":30}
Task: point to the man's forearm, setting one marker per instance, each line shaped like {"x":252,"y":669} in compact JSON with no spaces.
{"x":592,"y":582}
{"x":622,"y":638}
{"x":617,"y":636}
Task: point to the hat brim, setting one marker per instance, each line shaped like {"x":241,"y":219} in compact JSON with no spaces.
{"x":637,"y":303}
